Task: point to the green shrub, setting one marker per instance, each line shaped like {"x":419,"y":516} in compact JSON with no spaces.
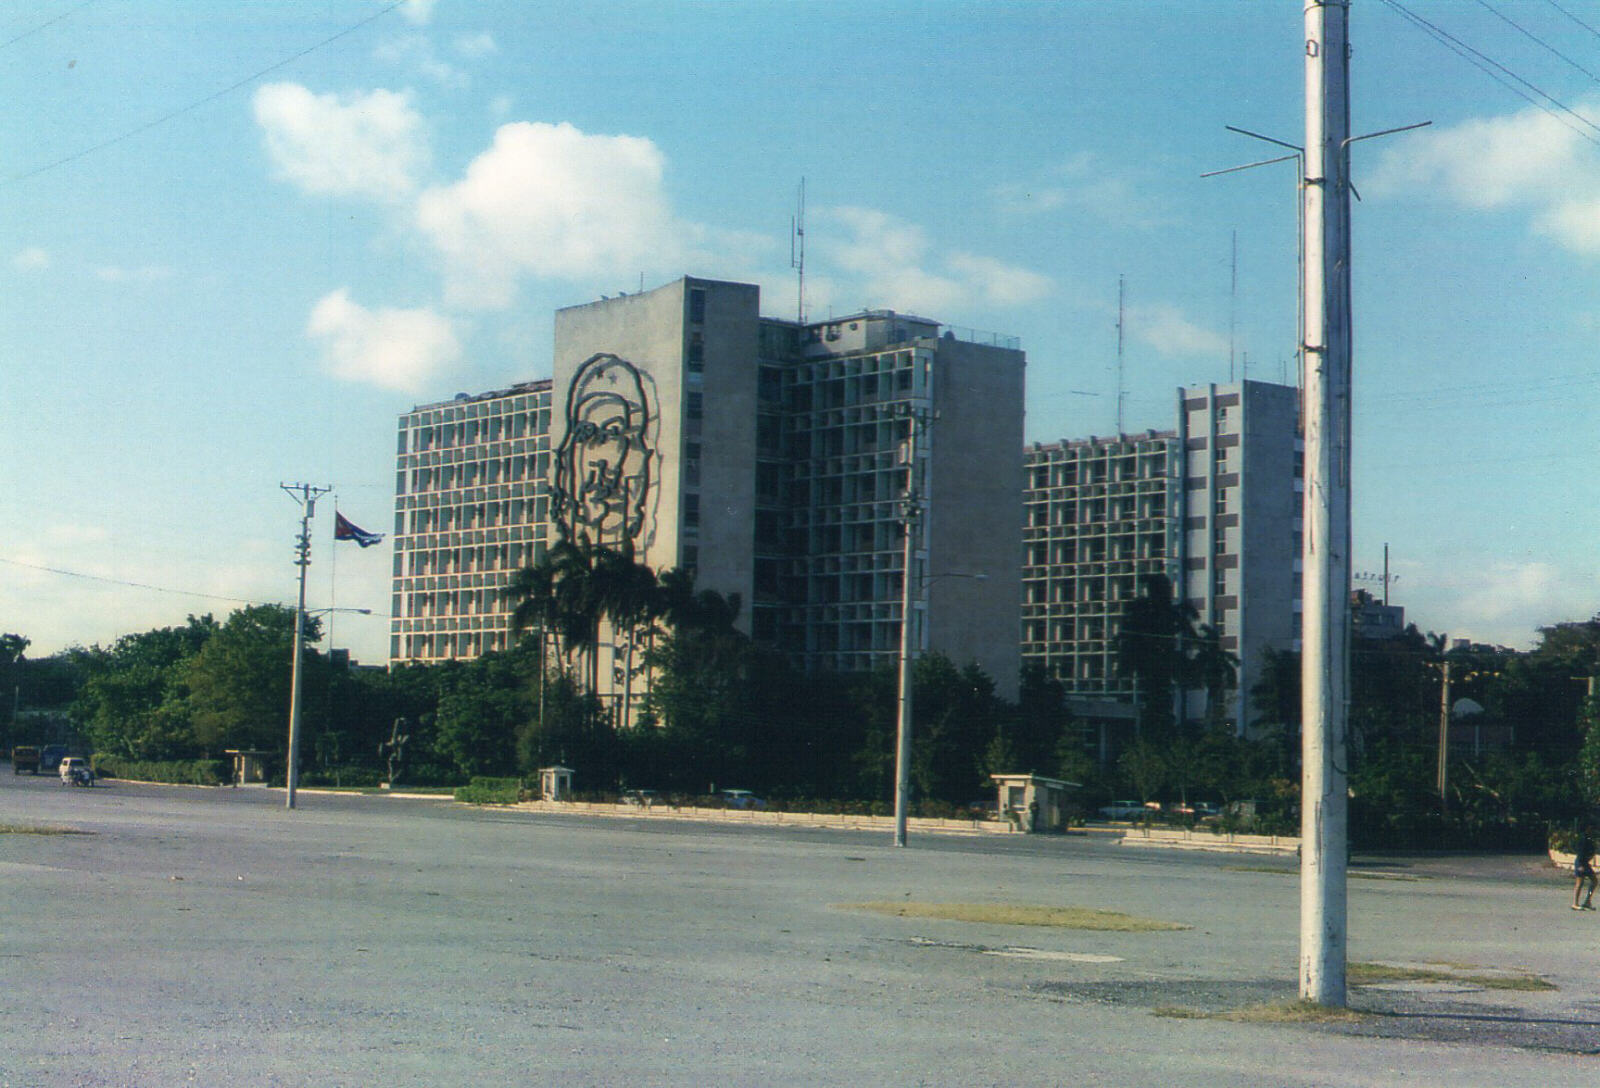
{"x":490,"y":791}
{"x":186,"y":772}
{"x":341,"y":777}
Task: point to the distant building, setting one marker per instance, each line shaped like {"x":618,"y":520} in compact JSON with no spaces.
{"x":1103,"y":514}
{"x":1371,"y":618}
{"x":1214,"y":505}
{"x":769,"y":456}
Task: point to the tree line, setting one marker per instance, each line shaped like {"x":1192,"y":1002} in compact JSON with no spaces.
{"x":721,"y":711}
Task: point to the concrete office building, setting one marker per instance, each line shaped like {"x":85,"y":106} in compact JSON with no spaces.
{"x":1213,"y":504}
{"x":471,"y":507}
{"x":770,"y":457}
{"x":1103,"y":514}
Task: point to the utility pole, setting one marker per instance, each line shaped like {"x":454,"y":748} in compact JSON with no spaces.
{"x":1444,"y":740}
{"x":306,"y":495}
{"x":911,"y":583}
{"x":1325,"y":632}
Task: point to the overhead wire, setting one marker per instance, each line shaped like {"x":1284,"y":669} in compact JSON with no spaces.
{"x":197,"y":103}
{"x":1574,"y":18}
{"x":1503,"y":75}
{"x":124,"y":582}
{"x":45,"y":24}
{"x":1531,"y":36}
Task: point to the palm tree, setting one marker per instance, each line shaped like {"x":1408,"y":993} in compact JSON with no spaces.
{"x":625,"y":592}
{"x":1211,"y":668}
{"x":1150,"y":648}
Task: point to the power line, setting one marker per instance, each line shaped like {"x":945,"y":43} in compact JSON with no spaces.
{"x":1531,"y":36}
{"x":121,"y":582}
{"x":46,"y":23}
{"x":164,"y":118}
{"x":1574,"y":18}
{"x":1501,"y":74}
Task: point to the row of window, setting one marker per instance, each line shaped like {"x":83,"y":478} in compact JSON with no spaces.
{"x":511,"y":423}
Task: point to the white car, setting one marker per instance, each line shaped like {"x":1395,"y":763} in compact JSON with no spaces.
{"x":75,"y":771}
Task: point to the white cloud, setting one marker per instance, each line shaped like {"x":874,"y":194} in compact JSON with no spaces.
{"x":1501,"y":601}
{"x":1167,"y":330}
{"x":418,"y":11}
{"x":389,"y":348}
{"x":475,"y":45}
{"x":372,"y":144}
{"x":889,"y":262}
{"x":1531,"y":161}
{"x":32,"y":259}
{"x":1085,"y":182}
{"x":417,"y":52}
{"x":551,"y":201}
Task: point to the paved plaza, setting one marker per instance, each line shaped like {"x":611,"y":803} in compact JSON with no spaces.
{"x":204,"y":936}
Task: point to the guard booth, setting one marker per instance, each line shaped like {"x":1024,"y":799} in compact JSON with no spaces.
{"x":555,"y":783}
{"x":1033,"y":803}
{"x":249,"y":766}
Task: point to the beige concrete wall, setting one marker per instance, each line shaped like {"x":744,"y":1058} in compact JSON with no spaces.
{"x":975,"y":520}
{"x":651,"y":330}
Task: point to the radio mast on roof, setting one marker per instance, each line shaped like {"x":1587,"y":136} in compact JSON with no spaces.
{"x":797,"y":253}
{"x":1119,"y":353}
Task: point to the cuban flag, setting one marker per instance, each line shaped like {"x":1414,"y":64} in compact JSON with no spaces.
{"x":345,"y":529}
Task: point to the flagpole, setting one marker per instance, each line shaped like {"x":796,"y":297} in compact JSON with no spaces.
{"x":333,"y":562}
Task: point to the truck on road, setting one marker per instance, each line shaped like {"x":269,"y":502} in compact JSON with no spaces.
{"x":24,"y":758}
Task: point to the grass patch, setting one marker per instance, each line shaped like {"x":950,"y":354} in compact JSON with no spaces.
{"x":39,"y":829}
{"x":1353,"y":874}
{"x":1367,"y":974}
{"x":1010,"y":915}
{"x":1278,"y":869}
{"x":1288,"y":1012}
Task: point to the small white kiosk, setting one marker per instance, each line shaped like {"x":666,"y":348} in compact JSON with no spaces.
{"x":555,"y":783}
{"x":1033,"y":803}
{"x":249,"y":766}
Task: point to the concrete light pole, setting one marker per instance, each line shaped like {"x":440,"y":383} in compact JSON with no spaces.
{"x":307,"y":498}
{"x":1325,"y":632}
{"x":910,"y":594}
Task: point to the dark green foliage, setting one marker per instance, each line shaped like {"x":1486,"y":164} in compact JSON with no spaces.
{"x":238,"y":682}
{"x":187,"y":772}
{"x":490,"y":791}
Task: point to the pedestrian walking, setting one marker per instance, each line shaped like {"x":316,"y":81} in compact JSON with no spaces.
{"x":1583,"y":878}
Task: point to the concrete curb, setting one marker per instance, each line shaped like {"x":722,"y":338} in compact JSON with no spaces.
{"x":840,"y":821}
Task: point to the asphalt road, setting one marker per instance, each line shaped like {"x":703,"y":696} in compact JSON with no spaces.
{"x":195,"y":936}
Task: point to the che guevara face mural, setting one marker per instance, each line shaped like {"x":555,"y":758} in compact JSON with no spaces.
{"x":603,"y":462}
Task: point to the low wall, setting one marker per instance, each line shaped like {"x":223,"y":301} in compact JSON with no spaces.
{"x":1181,"y":838}
{"x":769,"y":819}
{"x":1174,"y":838}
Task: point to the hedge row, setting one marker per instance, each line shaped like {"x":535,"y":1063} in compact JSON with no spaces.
{"x":490,"y":791}
{"x":187,"y":772}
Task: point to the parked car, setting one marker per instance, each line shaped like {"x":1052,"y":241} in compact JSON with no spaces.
{"x":639,"y":798}
{"x":51,"y":755}
{"x":76,"y":771}
{"x":1123,"y":810}
{"x":742,"y":799}
{"x":24,"y":758}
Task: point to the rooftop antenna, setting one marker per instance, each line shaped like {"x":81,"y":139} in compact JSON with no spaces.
{"x":797,"y":253}
{"x":1119,"y":352}
{"x":1233,"y":303}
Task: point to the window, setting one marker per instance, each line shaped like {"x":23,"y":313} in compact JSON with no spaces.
{"x":697,"y":305}
{"x":697,"y":352}
{"x":691,"y":511}
{"x":691,"y":464}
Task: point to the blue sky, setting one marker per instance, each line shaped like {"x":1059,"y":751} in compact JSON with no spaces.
{"x":211,"y":284}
